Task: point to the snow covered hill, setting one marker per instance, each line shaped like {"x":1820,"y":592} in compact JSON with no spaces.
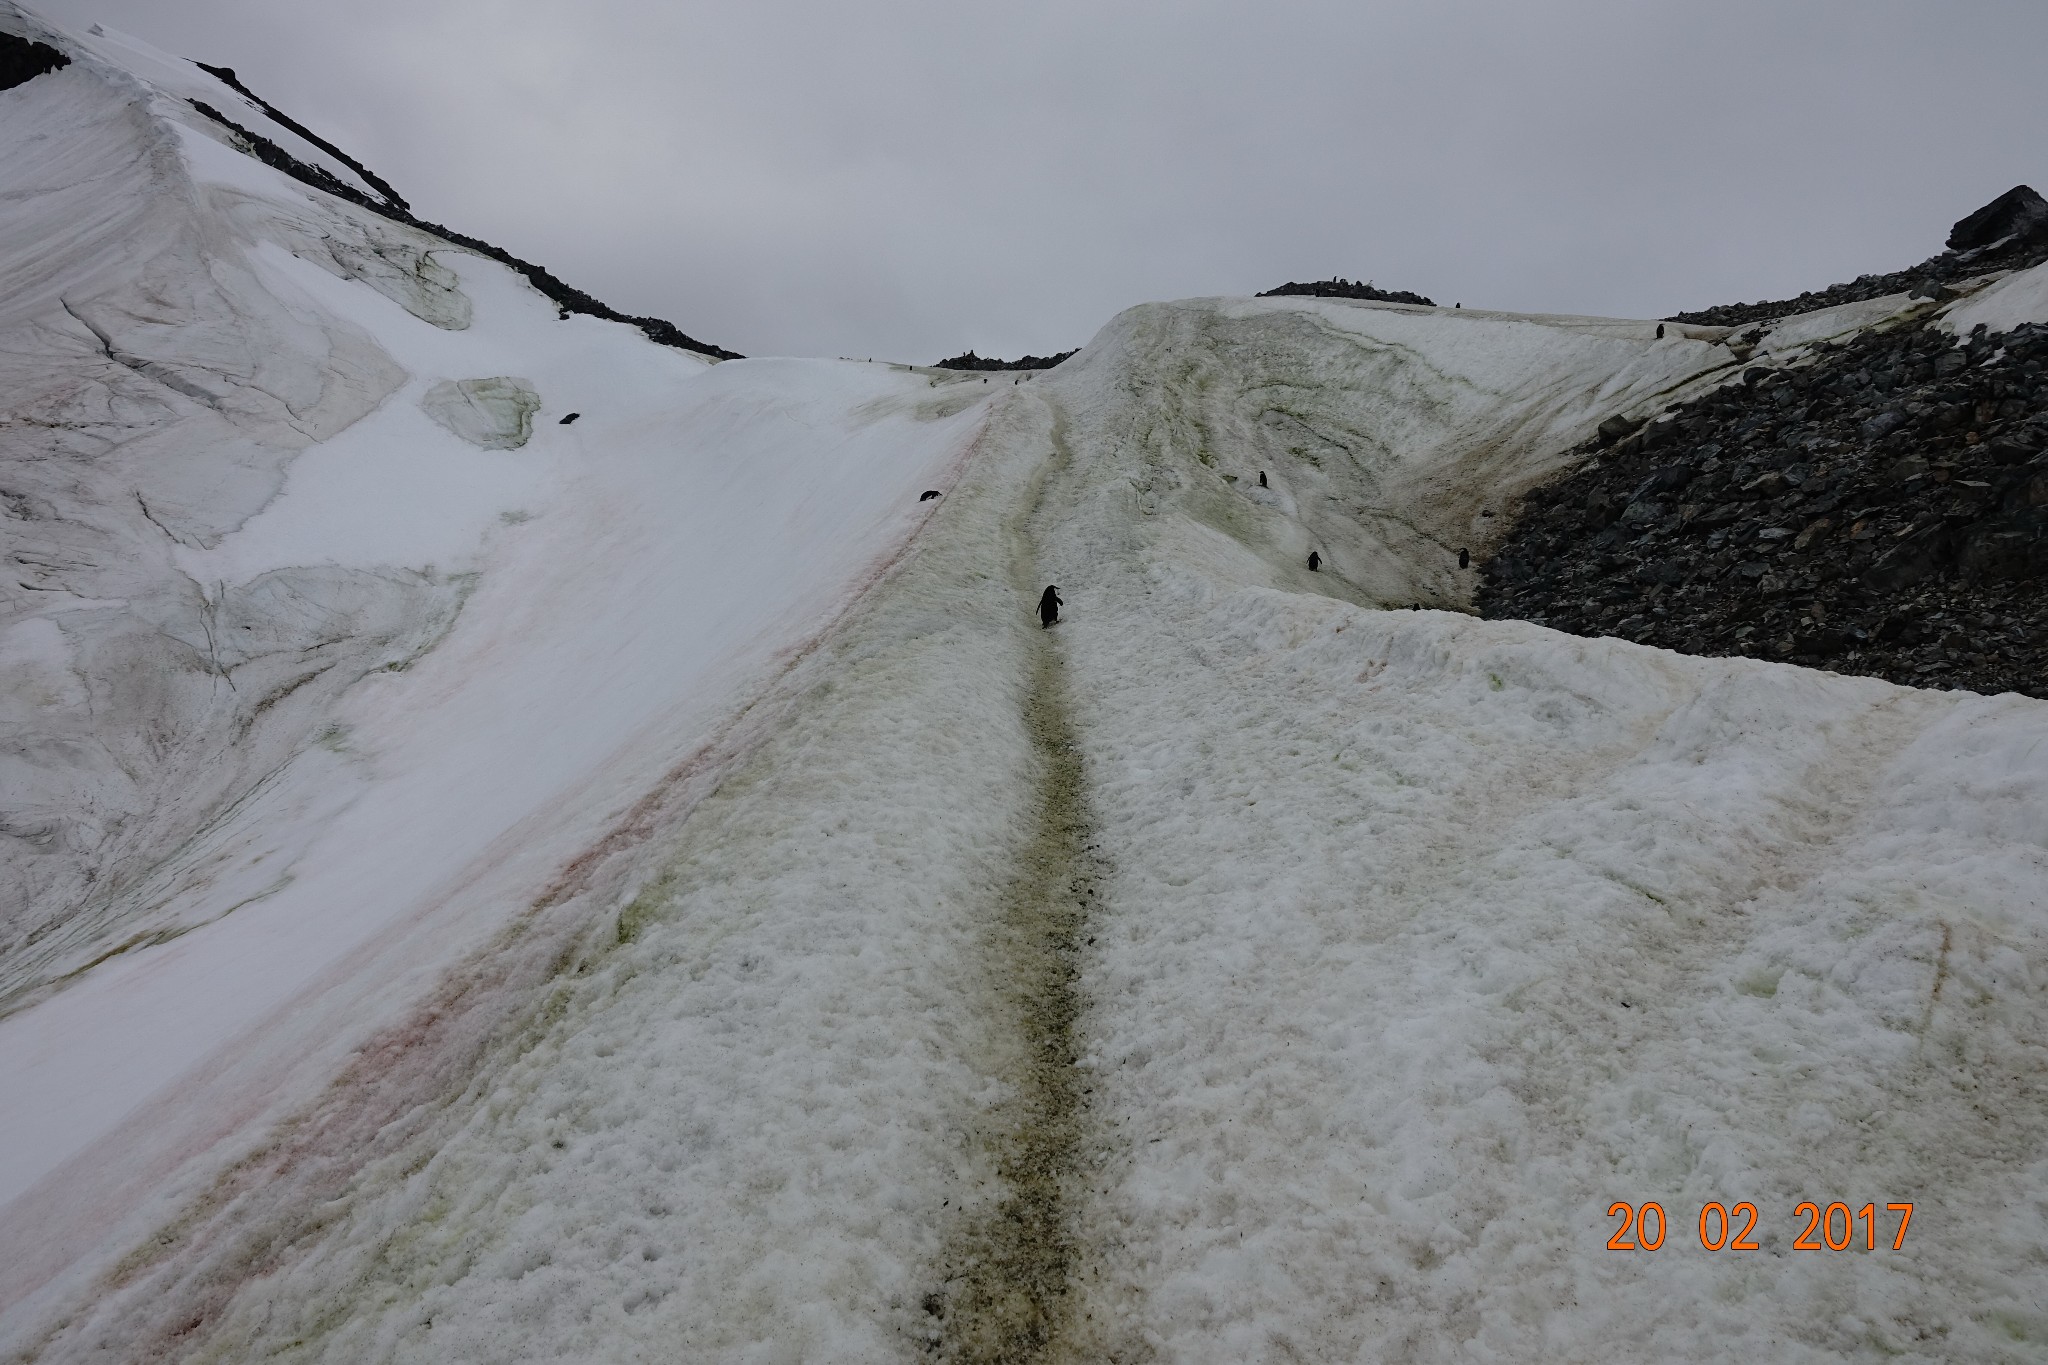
{"x":328,"y":648}
{"x":489,"y":889}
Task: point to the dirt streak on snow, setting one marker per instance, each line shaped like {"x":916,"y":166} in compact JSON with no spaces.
{"x":1003,"y":1279}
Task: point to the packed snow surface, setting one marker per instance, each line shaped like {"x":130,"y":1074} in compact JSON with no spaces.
{"x":641,"y":968}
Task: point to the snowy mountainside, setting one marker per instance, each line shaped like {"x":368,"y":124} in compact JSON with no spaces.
{"x":1407,"y":942}
{"x":324,"y":633}
{"x":158,"y":393}
{"x":741,"y":932}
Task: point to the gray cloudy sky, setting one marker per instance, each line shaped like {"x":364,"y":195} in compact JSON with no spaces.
{"x":906,"y":178}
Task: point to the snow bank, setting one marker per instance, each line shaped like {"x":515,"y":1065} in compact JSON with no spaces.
{"x":1390,"y":436}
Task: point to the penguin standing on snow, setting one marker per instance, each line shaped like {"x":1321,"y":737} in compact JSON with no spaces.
{"x":1464,"y":559}
{"x":1049,"y":605}
{"x":1315,"y":561}
{"x":1262,"y":480}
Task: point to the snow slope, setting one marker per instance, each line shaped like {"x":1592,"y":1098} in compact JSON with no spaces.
{"x":704,"y":945}
{"x":1422,"y":940}
{"x":307,"y":694}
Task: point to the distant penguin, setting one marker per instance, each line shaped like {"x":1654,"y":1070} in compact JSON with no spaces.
{"x":1262,"y":480}
{"x":1049,"y":605}
{"x":928,"y":495}
{"x":1315,"y":562}
{"x":1660,"y":331}
{"x":570,"y":418}
{"x":1464,"y":559}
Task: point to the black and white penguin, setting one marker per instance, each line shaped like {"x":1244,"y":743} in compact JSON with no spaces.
{"x":1049,"y":605}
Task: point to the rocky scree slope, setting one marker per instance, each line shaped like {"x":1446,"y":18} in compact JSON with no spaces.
{"x":1882,"y":510}
{"x":2009,"y":233}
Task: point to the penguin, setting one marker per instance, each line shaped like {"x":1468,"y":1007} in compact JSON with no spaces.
{"x":1315,"y":562}
{"x":1660,"y":331}
{"x":1262,"y":479}
{"x":570,"y":418}
{"x":1049,"y":605}
{"x":1464,"y":559}
{"x":928,"y":495}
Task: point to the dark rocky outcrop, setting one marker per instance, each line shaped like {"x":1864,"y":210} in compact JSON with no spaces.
{"x":1883,"y":511}
{"x":2019,"y":212}
{"x":2001,"y":236}
{"x":24,"y":59}
{"x":1347,"y":289}
{"x":569,"y":299}
{"x":968,"y":360}
{"x":226,"y":76}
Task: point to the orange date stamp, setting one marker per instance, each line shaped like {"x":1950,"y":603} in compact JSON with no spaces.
{"x":1723,"y":1228}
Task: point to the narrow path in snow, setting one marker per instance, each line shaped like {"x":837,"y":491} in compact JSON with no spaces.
{"x":1006,"y":1280}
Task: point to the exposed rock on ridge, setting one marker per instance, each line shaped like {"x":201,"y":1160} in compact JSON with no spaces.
{"x":23,"y":59}
{"x":2019,"y":212}
{"x":968,"y":360}
{"x":570,"y":299}
{"x":1347,"y":289}
{"x":2006,"y":234}
{"x":226,"y":75}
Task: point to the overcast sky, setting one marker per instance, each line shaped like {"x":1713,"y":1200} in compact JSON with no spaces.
{"x":907,"y":178}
